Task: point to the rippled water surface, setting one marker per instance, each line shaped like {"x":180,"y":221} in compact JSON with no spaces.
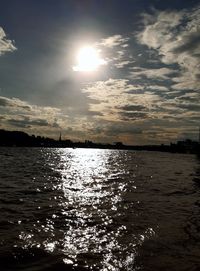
{"x":88,"y":209}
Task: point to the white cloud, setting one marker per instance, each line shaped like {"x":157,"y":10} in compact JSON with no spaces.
{"x":6,"y":45}
{"x":124,"y":63}
{"x":113,"y":41}
{"x":159,"y":74}
{"x":175,"y":35}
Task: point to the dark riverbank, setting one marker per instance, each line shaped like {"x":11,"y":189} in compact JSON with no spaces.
{"x":21,"y":139}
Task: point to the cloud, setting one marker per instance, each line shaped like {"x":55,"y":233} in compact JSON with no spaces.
{"x":118,"y":128}
{"x":127,"y":116}
{"x":156,"y":88}
{"x":123,"y":64}
{"x":175,"y":35}
{"x":113,"y":41}
{"x":18,"y":113}
{"x":14,"y":103}
{"x":159,"y":73}
{"x":132,"y":107}
{"x":17,"y":106}
{"x":117,"y":51}
{"x":189,"y":102}
{"x":27,"y":122}
{"x":6,"y":45}
{"x":116,"y":100}
{"x":132,"y":112}
{"x":190,"y":97}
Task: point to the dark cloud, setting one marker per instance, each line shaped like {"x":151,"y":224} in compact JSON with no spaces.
{"x":132,"y":108}
{"x":127,"y":116}
{"x":27,"y":123}
{"x":94,"y":113}
{"x":190,"y":107}
{"x":118,"y":128}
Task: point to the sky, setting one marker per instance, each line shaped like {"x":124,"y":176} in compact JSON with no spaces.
{"x":144,"y":90}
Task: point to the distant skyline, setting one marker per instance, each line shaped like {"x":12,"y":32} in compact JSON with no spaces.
{"x":106,"y":71}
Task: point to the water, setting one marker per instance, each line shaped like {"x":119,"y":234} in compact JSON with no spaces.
{"x":87,"y":209}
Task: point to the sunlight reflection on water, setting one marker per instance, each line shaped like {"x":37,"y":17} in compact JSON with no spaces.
{"x":93,"y":184}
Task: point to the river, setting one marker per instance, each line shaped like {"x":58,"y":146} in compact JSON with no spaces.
{"x":90,"y":209}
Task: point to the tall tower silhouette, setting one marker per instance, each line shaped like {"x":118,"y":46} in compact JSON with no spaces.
{"x":199,"y":134}
{"x":60,"y":137}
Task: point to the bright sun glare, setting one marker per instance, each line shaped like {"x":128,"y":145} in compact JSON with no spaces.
{"x":88,"y":59}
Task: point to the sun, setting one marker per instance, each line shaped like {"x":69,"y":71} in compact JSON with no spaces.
{"x":88,"y":59}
